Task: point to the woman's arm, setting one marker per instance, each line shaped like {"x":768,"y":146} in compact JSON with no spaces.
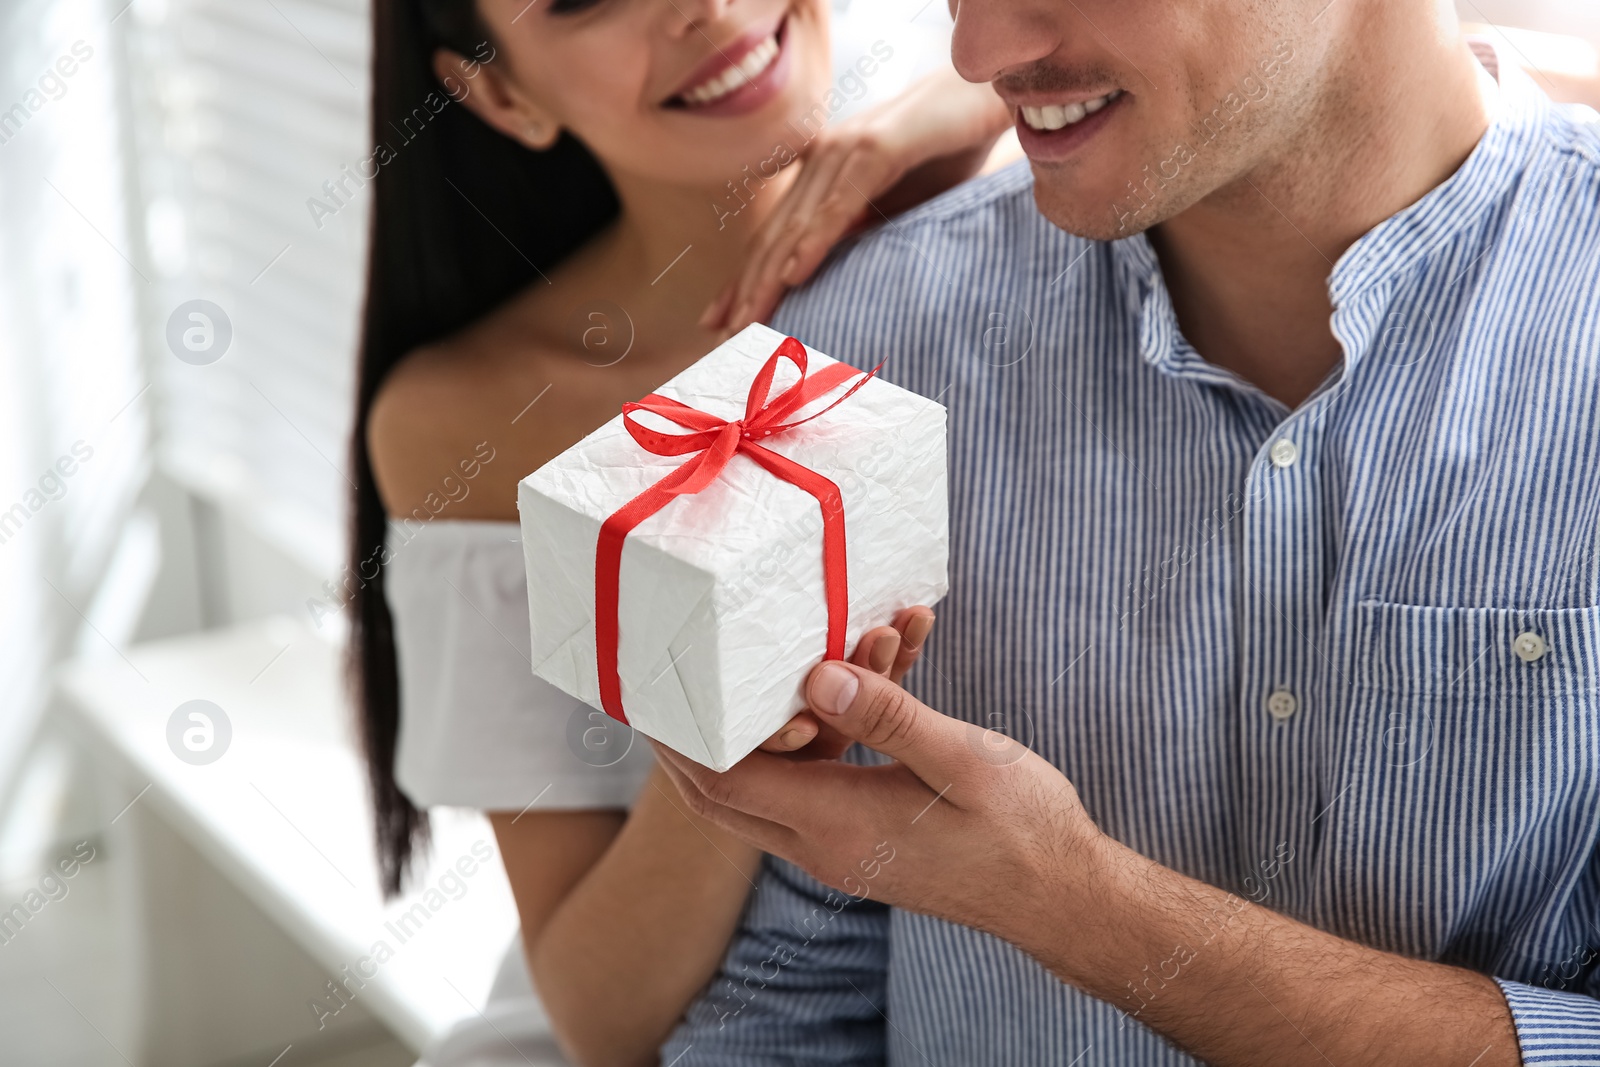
{"x":625,"y":916}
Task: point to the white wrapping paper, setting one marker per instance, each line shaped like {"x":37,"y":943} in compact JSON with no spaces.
{"x":723,"y":609}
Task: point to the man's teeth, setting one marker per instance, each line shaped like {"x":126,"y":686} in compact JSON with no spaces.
{"x":1054,"y":118}
{"x":743,"y":72}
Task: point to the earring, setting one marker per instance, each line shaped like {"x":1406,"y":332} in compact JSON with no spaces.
{"x":535,"y":134}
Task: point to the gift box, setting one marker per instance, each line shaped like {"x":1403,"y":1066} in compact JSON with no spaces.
{"x":756,"y":514}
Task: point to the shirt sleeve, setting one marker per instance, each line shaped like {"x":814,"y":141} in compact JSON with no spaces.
{"x":804,"y":982}
{"x":477,"y":728}
{"x":1555,"y":1028}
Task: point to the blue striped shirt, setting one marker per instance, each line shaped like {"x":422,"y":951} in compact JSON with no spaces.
{"x":1342,"y":659}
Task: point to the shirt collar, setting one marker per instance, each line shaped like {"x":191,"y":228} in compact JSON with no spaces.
{"x":1517,"y":110}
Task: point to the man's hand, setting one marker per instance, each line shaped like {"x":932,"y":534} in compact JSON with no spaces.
{"x":890,"y":651}
{"x":964,"y":810}
{"x":971,"y":827}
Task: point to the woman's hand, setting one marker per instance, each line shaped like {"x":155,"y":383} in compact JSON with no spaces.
{"x":887,"y":650}
{"x":933,"y":136}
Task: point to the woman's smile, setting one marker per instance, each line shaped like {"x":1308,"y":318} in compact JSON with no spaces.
{"x":741,"y":76}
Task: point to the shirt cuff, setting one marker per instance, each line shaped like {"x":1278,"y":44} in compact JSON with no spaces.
{"x":1554,"y":1029}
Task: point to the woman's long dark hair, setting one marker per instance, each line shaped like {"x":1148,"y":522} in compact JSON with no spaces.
{"x":463,"y":217}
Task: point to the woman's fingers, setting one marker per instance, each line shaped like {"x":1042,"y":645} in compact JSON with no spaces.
{"x":769,"y":236}
{"x":830,"y":211}
{"x":714,"y":316}
{"x":769,"y":249}
{"x":762,"y":286}
{"x":848,"y":203}
{"x":847,"y":169}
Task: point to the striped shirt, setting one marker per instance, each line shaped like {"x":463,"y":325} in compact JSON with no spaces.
{"x":1343,"y":659}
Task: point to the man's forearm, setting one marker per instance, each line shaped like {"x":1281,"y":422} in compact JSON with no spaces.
{"x":1004,"y":845}
{"x":1235,"y":983}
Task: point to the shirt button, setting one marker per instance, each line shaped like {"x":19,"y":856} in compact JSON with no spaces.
{"x":1283,"y":453}
{"x":1529,"y":646}
{"x":1281,"y":704}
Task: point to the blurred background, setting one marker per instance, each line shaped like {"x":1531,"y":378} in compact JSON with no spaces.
{"x":186,"y":875}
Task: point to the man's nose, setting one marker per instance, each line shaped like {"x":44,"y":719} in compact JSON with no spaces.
{"x":995,"y":36}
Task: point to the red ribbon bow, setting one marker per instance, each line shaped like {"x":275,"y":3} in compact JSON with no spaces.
{"x":713,"y":442}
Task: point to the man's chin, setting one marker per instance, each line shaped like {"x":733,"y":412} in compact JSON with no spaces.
{"x":1078,"y":215}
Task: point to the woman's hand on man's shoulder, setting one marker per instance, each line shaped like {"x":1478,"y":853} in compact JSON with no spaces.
{"x":866,"y":168}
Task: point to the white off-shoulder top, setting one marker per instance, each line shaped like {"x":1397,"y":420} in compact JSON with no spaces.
{"x":477,"y":729}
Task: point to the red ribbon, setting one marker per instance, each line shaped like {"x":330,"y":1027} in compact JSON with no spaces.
{"x":713,"y":442}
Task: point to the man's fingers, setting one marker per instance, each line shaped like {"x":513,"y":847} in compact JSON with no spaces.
{"x":869,"y":708}
{"x":797,"y":733}
{"x":893,"y":650}
{"x":830,"y":744}
{"x":914,"y":625}
{"x":877,"y":649}
{"x":765,"y":835}
{"x":766,"y":785}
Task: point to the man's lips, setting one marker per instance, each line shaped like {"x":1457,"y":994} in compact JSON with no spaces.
{"x":1042,"y":113}
{"x":726,"y":58}
{"x":1046,"y":145}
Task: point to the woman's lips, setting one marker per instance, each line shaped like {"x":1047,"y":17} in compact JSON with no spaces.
{"x":741,"y":77}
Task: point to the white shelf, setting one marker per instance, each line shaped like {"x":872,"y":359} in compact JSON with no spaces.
{"x":284,"y":814}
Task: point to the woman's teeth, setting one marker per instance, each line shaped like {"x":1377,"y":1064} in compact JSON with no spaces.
{"x":741,"y":73}
{"x":1053,"y":118}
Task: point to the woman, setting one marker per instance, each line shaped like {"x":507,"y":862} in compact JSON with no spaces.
{"x":611,"y":186}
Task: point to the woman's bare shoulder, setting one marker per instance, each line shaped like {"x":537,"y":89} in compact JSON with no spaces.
{"x":521,"y":384}
{"x":452,"y":407}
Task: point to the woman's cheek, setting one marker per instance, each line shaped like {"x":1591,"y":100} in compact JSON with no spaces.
{"x":607,"y":105}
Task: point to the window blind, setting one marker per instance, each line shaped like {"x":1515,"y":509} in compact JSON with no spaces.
{"x":242,"y":110}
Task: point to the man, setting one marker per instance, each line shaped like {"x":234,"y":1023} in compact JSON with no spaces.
{"x":1275,"y":488}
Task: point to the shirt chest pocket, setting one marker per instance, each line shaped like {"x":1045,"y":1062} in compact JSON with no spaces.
{"x":1472,"y":754}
